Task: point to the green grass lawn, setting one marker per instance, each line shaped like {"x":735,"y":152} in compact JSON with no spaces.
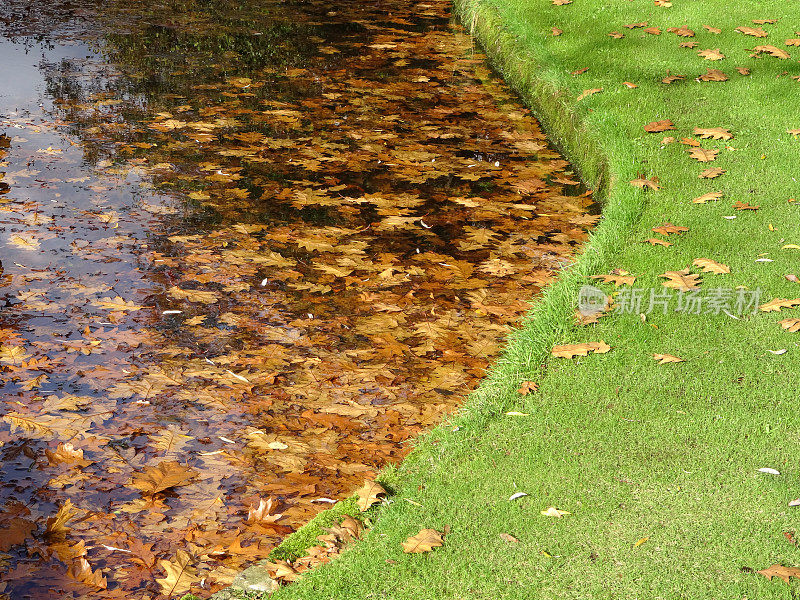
{"x":632,"y":449}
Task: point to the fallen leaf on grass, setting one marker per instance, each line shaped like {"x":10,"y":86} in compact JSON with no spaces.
{"x":653,"y":31}
{"x":681,"y":31}
{"x":714,"y":30}
{"x":791,"y":325}
{"x":711,"y":266}
{"x":527,"y":387}
{"x":716,"y":133}
{"x":795,"y":502}
{"x":776,"y":304}
{"x":792,"y":277}
{"x":743,"y":70}
{"x":369,"y":494}
{"x":754,"y":31}
{"x":777,"y":570}
{"x":619,"y":278}
{"x":642,"y":182}
{"x":180,"y":574}
{"x":711,"y":173}
{"x":713,"y":75}
{"x":709,"y":54}
{"x":707,"y":197}
{"x":641,"y":541}
{"x":772,"y":51}
{"x":554,"y":512}
{"x":681,"y":280}
{"x":703,"y":154}
{"x":673,"y":78}
{"x":739,"y":205}
{"x":793,"y":42}
{"x":509,"y":538}
{"x":573,"y":350}
{"x":425,"y":541}
{"x":656,"y":242}
{"x":590,"y":92}
{"x":557,"y":31}
{"x":667,"y":358}
{"x":658,"y":126}
{"x":517,"y":496}
{"x":669,"y":228}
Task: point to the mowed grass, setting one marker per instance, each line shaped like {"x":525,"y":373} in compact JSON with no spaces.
{"x":663,"y":455}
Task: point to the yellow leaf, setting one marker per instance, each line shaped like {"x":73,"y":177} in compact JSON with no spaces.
{"x":667,"y":358}
{"x":165,"y":475}
{"x":711,"y":266}
{"x":555,"y":512}
{"x":573,"y":350}
{"x":180,"y":574}
{"x":640,"y":541}
{"x":425,"y":541}
{"x":368,"y":494}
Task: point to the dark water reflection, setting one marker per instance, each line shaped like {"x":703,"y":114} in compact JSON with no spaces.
{"x":250,"y":250}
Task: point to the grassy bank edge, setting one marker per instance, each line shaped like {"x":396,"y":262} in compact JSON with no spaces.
{"x":528,"y":347}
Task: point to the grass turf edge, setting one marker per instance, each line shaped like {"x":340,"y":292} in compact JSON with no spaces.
{"x":528,"y":347}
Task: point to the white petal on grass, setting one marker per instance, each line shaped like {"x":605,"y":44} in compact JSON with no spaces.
{"x":795,"y":502}
{"x":781,"y":351}
{"x":764,"y":260}
{"x":514,"y":413}
{"x":769,"y":470}
{"x":517,"y":495}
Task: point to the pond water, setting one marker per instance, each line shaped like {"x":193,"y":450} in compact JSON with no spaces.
{"x":249,"y":251}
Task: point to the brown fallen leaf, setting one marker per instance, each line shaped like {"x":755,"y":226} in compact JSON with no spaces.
{"x":743,"y":70}
{"x":703,"y":154}
{"x":658,"y":126}
{"x":790,"y":537}
{"x":691,"y":44}
{"x":673,"y":78}
{"x":167,"y":474}
{"x":714,"y":30}
{"x":772,"y":51}
{"x":653,"y":31}
{"x":369,"y":494}
{"x":709,"y":54}
{"x":527,"y":387}
{"x":180,"y":574}
{"x":629,"y":85}
{"x":776,"y":304}
{"x":616,"y":35}
{"x":657,"y":242}
{"x":683,"y":280}
{"x":263,"y":512}
{"x":557,"y":31}
{"x":579,"y":71}
{"x":690,"y":142}
{"x":793,"y":42}
{"x":711,"y":173}
{"x":636,"y":25}
{"x":765,"y":21}
{"x":711,"y":266}
{"x":509,"y":538}
{"x":713,"y":75}
{"x":573,"y":350}
{"x":621,"y":277}
{"x":81,"y":570}
{"x":589,"y":92}
{"x":792,"y":277}
{"x":561,"y":2}
{"x":754,"y":31}
{"x":790,"y":325}
{"x":425,"y":541}
{"x":667,"y":358}
{"x":707,"y":197}
{"x":669,"y":228}
{"x":681,"y":31}
{"x":642,"y":182}
{"x":794,"y":132}
{"x":57,"y":525}
{"x":777,"y":570}
{"x":15,"y":531}
{"x":716,"y":133}
{"x":739,"y":205}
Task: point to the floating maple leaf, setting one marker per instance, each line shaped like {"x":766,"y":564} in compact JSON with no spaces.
{"x":57,"y":524}
{"x":81,"y":571}
{"x":263,"y":512}
{"x":369,"y":494}
{"x":681,"y":280}
{"x":116,"y":304}
{"x":180,"y":574}
{"x":583,"y":349}
{"x":167,"y":474}
{"x":711,"y":266}
{"x":425,"y":541}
